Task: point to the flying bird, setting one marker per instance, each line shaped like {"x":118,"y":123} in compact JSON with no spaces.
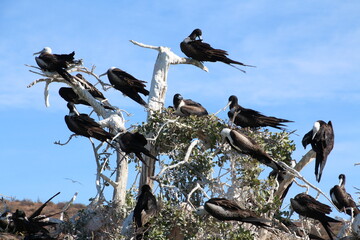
{"x":69,"y":95}
{"x":59,"y":63}
{"x":245,"y":117}
{"x":307,"y":206}
{"x":84,"y":125}
{"x":201,"y":51}
{"x":343,"y":200}
{"x":135,"y":143}
{"x":127,"y":84}
{"x":227,"y":210}
{"x":186,"y":107}
{"x":146,"y":208}
{"x":246,"y":145}
{"x":321,"y":138}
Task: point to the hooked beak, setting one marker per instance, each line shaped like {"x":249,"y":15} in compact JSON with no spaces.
{"x":37,"y":53}
{"x":103,"y":74}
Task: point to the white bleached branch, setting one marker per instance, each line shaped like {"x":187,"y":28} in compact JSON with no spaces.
{"x":186,"y":159}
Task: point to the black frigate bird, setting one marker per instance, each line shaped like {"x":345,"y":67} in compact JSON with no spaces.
{"x":84,"y":125}
{"x":246,"y":145}
{"x":343,"y":200}
{"x":307,"y":206}
{"x":186,"y":107}
{"x":34,"y":223}
{"x":146,"y":208}
{"x":201,"y":51}
{"x":69,"y":95}
{"x":135,"y":143}
{"x":227,"y":210}
{"x":321,"y":138}
{"x":280,"y":177}
{"x":127,"y":84}
{"x":50,"y":62}
{"x":245,"y":117}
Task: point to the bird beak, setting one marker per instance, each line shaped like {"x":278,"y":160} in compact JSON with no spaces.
{"x":37,"y":53}
{"x":102,"y":74}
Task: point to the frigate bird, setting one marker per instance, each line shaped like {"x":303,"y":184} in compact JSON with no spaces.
{"x":134,"y":143}
{"x":246,"y":145}
{"x":245,"y":117}
{"x":280,"y":177}
{"x":227,"y":210}
{"x":127,"y":84}
{"x":186,"y":107}
{"x":307,"y":206}
{"x":343,"y":200}
{"x":321,"y":138}
{"x":34,"y":223}
{"x":84,"y":125}
{"x":201,"y":51}
{"x":146,"y":208}
{"x":69,"y":95}
{"x":48,"y":61}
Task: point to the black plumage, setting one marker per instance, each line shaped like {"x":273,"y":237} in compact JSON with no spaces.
{"x":84,"y":125}
{"x":245,"y":117}
{"x":307,"y":206}
{"x":227,"y":210}
{"x":146,"y":208}
{"x":135,"y":143}
{"x":127,"y":84}
{"x":343,"y":200}
{"x":246,"y":145}
{"x":33,"y":224}
{"x":56,"y":62}
{"x":321,"y":138}
{"x":69,"y":95}
{"x":201,"y":51}
{"x":186,"y":107}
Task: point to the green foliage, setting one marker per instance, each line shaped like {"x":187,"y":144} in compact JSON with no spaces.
{"x":173,"y":136}
{"x":174,"y":221}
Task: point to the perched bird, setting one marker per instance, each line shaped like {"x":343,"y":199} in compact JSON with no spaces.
{"x":146,"y":208}
{"x":135,"y":143}
{"x":82,"y":124}
{"x":343,"y":200}
{"x":69,"y":95}
{"x":245,"y":117}
{"x":227,"y":210}
{"x":186,"y":107}
{"x":200,"y":51}
{"x":280,"y":177}
{"x":127,"y":84}
{"x":246,"y":145}
{"x":56,"y":62}
{"x":307,"y":206}
{"x":321,"y":138}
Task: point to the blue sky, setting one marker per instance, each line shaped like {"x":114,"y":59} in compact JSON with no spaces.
{"x":307,"y":56}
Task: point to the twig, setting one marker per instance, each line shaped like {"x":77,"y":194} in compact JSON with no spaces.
{"x":186,"y":159}
{"x":62,"y":144}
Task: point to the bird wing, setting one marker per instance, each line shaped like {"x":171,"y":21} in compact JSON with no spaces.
{"x":224,"y":203}
{"x":314,"y":205}
{"x":129,"y":79}
{"x":307,"y":138}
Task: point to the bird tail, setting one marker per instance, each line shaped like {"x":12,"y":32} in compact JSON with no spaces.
{"x":327,"y":228}
{"x":319,"y":165}
{"x":65,"y":74}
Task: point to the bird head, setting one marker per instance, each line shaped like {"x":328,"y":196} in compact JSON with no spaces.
{"x":45,"y":50}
